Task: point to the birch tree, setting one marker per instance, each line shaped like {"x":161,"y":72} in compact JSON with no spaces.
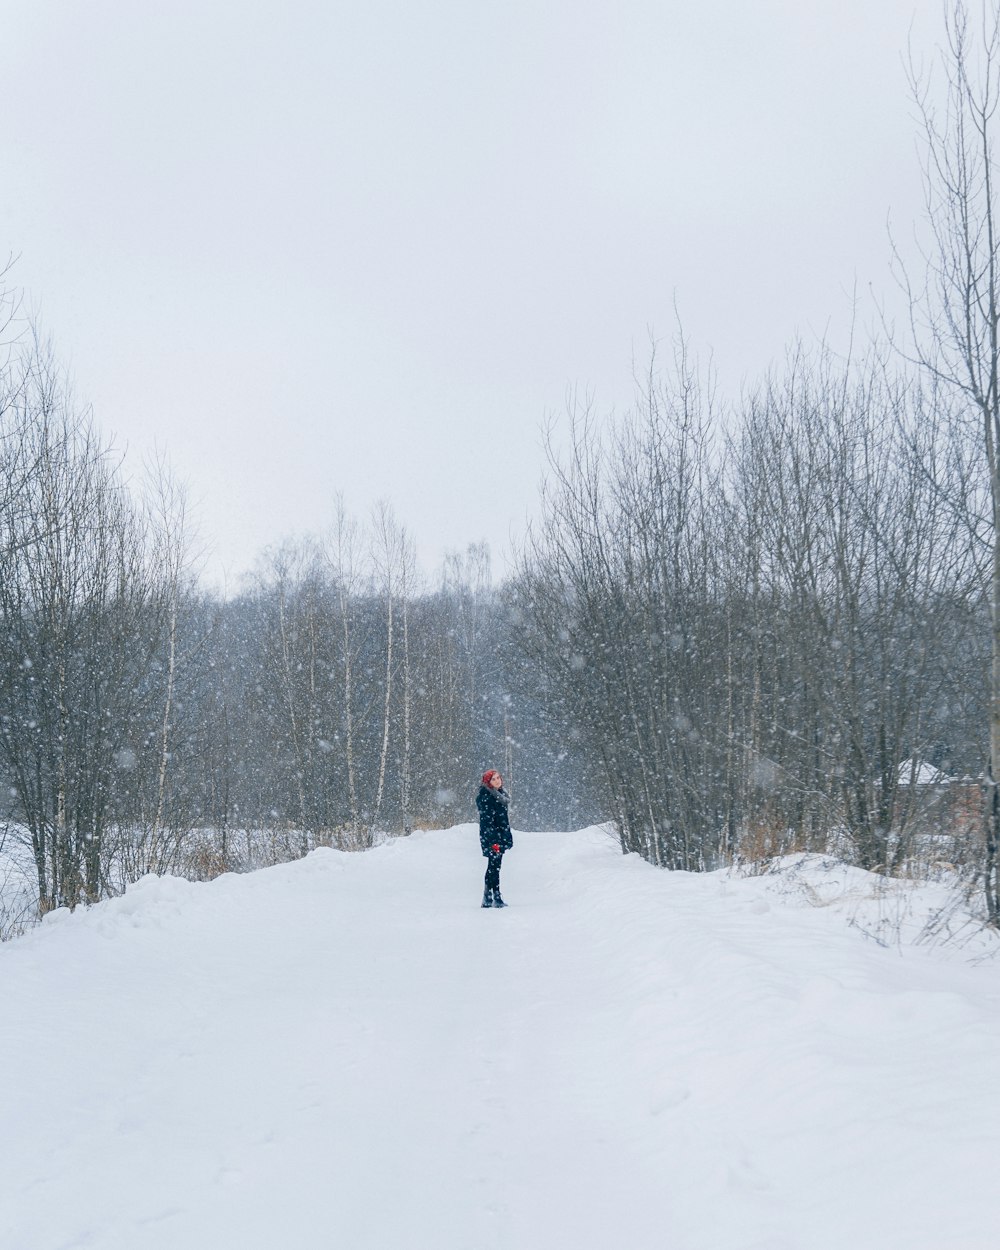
{"x":342,"y":557}
{"x":388,"y":551}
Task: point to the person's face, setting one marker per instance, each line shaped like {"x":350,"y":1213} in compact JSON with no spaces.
{"x":496,"y":781}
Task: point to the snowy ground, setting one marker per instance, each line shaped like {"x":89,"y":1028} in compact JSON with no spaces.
{"x":346,"y":1052}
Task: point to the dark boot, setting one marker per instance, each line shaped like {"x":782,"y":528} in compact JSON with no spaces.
{"x":488,"y":899}
{"x":497,"y":900}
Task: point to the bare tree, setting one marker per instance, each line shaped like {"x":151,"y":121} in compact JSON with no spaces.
{"x":168,"y":527}
{"x":388,"y":543}
{"x":78,"y":640}
{"x":621,"y":577}
{"x":956,"y":310}
{"x":856,"y":557}
{"x":407,"y":591}
{"x":342,"y":556}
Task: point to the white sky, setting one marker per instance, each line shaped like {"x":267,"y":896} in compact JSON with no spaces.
{"x":316,"y":246}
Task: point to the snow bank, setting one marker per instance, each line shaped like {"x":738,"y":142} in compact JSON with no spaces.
{"x":347,"y":1051}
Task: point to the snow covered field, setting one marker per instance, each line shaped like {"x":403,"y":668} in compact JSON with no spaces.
{"x":346,"y":1052}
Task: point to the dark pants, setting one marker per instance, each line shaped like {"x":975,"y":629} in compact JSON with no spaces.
{"x":493,"y":862}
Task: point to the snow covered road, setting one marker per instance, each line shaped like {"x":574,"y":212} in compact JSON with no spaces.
{"x":348,"y":1052}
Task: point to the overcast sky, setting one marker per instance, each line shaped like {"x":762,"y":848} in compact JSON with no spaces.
{"x":313,"y":246}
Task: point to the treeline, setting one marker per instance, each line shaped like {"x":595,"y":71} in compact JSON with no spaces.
{"x":146,"y":725}
{"x":338,"y":698}
{"x":730,"y":633}
{"x":91,"y":587}
{"x":766,"y":620}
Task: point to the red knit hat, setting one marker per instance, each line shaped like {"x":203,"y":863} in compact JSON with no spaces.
{"x":489,"y":775}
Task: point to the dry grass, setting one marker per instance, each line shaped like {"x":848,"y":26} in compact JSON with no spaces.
{"x":762,"y":842}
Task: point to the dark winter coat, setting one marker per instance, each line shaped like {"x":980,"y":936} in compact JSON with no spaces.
{"x":494,"y":823}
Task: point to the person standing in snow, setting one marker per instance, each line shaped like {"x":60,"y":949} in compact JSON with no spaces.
{"x":494,"y":832}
